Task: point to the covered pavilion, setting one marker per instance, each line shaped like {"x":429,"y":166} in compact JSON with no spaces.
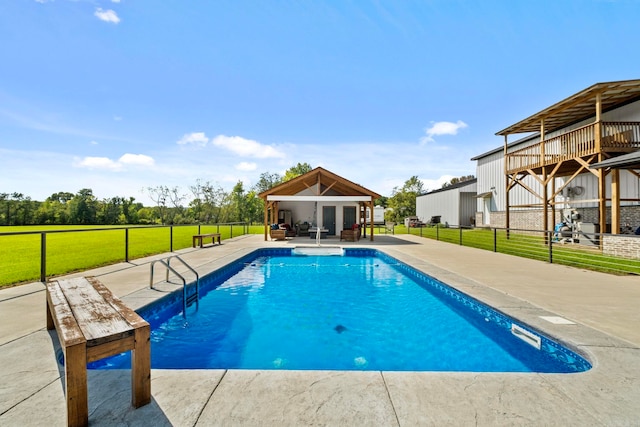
{"x":317,"y":189}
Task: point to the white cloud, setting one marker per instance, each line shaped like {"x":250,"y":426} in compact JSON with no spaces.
{"x":136,"y":159}
{"x":43,"y":1}
{"x":94,"y":143}
{"x":196,"y":138}
{"x":117,"y":118}
{"x":115,"y":1}
{"x":108,"y":15}
{"x":246,"y":166}
{"x":246,"y":147}
{"x":105,"y":163}
{"x":442,"y":128}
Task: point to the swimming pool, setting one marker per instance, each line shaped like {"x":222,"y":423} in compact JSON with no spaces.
{"x":361,"y":311}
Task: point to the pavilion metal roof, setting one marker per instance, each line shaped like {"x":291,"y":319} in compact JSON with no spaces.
{"x":579,"y":106}
{"x":329,"y":183}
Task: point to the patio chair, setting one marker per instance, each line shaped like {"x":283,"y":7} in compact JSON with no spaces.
{"x":351,"y":235}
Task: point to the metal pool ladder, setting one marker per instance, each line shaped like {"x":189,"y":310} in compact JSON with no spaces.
{"x":187,"y":300}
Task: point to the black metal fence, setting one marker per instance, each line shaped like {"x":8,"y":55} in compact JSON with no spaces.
{"x":35,"y":255}
{"x":582,"y":250}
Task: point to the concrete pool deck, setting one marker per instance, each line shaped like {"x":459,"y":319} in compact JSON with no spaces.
{"x":605,"y":310}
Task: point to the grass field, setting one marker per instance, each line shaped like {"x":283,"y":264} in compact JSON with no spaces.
{"x":532,"y":245}
{"x":68,"y":251}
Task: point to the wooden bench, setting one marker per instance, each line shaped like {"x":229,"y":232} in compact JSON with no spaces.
{"x":93,"y":324}
{"x":201,"y":237}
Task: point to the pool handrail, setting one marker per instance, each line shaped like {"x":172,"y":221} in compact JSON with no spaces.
{"x":186,"y":300}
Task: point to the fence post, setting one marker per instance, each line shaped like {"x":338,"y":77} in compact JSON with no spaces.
{"x":495,"y":240}
{"x":218,"y":229}
{"x":437,"y":232}
{"x":420,"y":231}
{"x":231,"y":233}
{"x":460,"y":235}
{"x":43,"y":257}
{"x":171,"y":238}
{"x":199,"y":229}
{"x":126,"y":245}
{"x":550,"y":243}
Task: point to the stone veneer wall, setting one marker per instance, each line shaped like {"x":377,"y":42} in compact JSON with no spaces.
{"x":621,"y":245}
{"x":521,"y":219}
{"x":629,"y":216}
{"x":532,"y":219}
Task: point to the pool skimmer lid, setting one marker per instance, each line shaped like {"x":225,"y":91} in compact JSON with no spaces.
{"x":557,"y":320}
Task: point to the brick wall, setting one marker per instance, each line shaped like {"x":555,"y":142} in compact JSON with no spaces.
{"x":525,"y":220}
{"x":532,"y":219}
{"x":621,"y":245}
{"x":629,"y":216}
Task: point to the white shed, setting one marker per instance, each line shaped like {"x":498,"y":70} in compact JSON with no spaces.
{"x":455,"y":205}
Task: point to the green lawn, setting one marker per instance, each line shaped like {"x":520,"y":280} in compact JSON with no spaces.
{"x":70,"y":251}
{"x":532,"y":245}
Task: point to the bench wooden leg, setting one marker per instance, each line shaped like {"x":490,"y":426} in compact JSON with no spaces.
{"x":75,"y":368}
{"x":141,"y":368}
{"x":50,"y":323}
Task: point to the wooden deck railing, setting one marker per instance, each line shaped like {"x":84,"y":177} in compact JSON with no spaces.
{"x":581,"y":142}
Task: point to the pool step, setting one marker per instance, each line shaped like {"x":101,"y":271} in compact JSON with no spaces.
{"x":318,"y":250}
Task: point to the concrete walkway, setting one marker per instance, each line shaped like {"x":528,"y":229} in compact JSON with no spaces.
{"x":605,"y":311}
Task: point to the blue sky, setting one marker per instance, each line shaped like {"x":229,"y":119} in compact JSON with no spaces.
{"x":118,"y":96}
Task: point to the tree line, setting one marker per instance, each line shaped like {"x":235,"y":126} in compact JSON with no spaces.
{"x":209,"y":204}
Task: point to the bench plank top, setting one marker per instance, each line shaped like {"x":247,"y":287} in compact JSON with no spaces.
{"x":98,"y":320}
{"x":65,"y":322}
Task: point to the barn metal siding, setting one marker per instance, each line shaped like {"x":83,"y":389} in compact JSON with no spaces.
{"x":455,"y":206}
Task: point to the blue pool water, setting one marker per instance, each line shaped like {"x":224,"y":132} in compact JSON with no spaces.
{"x":361,"y":311}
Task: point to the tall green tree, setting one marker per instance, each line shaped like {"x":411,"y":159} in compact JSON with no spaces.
{"x":297,"y":170}
{"x":455,"y":181}
{"x":238,"y":203}
{"x":168,"y":202}
{"x":403,"y":200}
{"x":83,"y":208}
{"x":267,"y":181}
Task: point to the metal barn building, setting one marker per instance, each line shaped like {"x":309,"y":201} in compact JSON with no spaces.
{"x":456,"y":204}
{"x":532,"y":182}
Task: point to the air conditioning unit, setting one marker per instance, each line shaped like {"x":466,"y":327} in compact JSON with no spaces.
{"x":572,"y":191}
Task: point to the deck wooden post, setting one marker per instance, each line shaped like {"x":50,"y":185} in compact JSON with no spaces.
{"x":615,"y":201}
{"x":266,"y":219}
{"x":602,"y":198}
{"x":602,"y":189}
{"x":545,"y":201}
{"x":506,"y":193}
{"x":370,"y":217}
{"x":545,"y":195}
{"x":553,"y":204}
